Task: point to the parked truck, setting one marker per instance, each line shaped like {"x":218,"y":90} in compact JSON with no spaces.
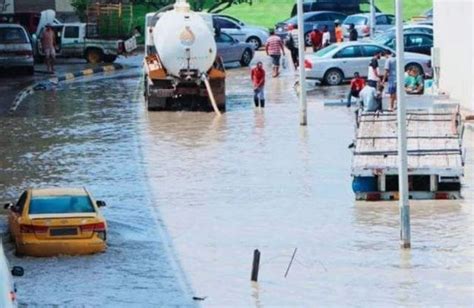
{"x":81,"y":40}
{"x":181,"y":69}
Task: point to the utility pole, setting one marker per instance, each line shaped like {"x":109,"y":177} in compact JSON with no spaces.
{"x":372,"y":19}
{"x":302,"y":79}
{"x":402,"y":132}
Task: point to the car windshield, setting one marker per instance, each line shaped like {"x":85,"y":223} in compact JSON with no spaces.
{"x":61,"y":205}
{"x":383,"y":39}
{"x":325,"y":51}
{"x":10,"y":35}
{"x":356,"y":20}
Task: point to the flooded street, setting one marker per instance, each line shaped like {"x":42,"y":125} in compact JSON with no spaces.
{"x":190,"y":196}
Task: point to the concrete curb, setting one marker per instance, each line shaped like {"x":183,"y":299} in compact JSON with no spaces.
{"x":66,"y":77}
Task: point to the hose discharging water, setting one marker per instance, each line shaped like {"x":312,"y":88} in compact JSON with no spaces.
{"x":211,"y":94}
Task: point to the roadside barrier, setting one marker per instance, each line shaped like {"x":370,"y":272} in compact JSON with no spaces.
{"x":48,"y":83}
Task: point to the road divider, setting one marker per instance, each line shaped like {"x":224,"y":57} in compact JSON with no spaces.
{"x":48,"y":83}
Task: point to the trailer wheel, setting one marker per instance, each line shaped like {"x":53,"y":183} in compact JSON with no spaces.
{"x":94,"y":55}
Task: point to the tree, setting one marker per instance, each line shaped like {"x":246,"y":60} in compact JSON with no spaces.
{"x":80,"y":7}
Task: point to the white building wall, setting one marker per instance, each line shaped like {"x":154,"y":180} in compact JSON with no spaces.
{"x":64,"y":6}
{"x":454,"y":35}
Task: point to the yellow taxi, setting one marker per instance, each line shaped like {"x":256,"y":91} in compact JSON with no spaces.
{"x":57,"y":221}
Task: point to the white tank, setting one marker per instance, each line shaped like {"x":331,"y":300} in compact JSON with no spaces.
{"x":183,"y":39}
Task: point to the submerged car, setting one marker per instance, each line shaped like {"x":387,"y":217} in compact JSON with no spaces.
{"x":7,"y":286}
{"x":15,"y":48}
{"x":57,"y":221}
{"x":231,"y":50}
{"x":338,"y":62}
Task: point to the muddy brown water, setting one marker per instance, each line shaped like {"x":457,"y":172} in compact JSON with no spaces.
{"x":190,"y":196}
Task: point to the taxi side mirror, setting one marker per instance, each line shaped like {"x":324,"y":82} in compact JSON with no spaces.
{"x":100,"y":203}
{"x":6,"y":206}
{"x":18,"y":271}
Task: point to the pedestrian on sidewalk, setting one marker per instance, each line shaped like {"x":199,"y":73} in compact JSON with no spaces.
{"x":326,"y":37}
{"x":391,"y":78}
{"x":357,"y":84}
{"x":353,"y":34}
{"x":258,"y":80}
{"x":374,"y":74}
{"x":274,"y":48}
{"x":338,"y":31}
{"x":295,"y":51}
{"x":316,"y":37}
{"x":48,"y":42}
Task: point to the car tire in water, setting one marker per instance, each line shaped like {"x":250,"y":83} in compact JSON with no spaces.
{"x":255,"y":41}
{"x":333,"y":77}
{"x":415,"y":66}
{"x":246,"y":58}
{"x":94,"y":55}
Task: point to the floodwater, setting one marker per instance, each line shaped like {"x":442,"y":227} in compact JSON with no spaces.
{"x":191,"y":195}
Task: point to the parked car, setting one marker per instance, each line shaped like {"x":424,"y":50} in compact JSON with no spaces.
{"x":15,"y":48}
{"x":49,"y":222}
{"x":362,"y":23}
{"x":414,"y":42}
{"x":347,"y":7}
{"x":338,"y":62}
{"x":7,"y":286}
{"x":318,"y":19}
{"x":411,"y":28}
{"x":80,"y":40}
{"x":231,"y":50}
{"x":257,"y":36}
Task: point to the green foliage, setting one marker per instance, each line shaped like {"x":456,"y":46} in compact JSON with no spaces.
{"x":80,"y":7}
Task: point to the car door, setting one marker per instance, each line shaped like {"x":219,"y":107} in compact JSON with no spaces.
{"x":350,"y":60}
{"x":225,"y":47}
{"x":231,"y":28}
{"x":70,"y":43}
{"x":419,"y":43}
{"x":368,"y":52}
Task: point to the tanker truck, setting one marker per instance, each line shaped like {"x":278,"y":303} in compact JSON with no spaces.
{"x":181,"y":69}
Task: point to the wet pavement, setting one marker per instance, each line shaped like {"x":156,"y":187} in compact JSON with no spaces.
{"x":191,"y":195}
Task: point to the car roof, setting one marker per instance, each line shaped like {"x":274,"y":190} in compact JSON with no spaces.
{"x":9,"y":25}
{"x":368,"y":14}
{"x":322,"y":12}
{"x":56,"y":191}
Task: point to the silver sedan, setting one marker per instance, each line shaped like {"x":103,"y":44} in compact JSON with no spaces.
{"x":338,"y":62}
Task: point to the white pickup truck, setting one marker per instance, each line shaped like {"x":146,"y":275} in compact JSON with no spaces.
{"x":77,"y":40}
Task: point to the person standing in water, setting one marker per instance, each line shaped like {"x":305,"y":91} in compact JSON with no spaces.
{"x":258,"y":80}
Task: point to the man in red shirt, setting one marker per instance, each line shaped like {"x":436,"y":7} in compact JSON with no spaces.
{"x":357,"y":84}
{"x":258,"y":81}
{"x":316,"y":37}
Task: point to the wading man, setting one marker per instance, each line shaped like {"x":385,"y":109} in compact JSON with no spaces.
{"x":258,"y":81}
{"x":274,"y":48}
{"x":48,"y":42}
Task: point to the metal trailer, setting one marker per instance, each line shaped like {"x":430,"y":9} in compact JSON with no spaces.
{"x":435,"y":155}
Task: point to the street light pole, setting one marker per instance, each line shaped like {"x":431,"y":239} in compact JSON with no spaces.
{"x":402,"y":132}
{"x":372,"y":19}
{"x":302,"y":75}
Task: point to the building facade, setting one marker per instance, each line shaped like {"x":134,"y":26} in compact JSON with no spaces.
{"x":454,"y":35}
{"x":34,"y":6}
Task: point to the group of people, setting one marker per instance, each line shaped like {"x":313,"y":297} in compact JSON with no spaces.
{"x":370,"y":94}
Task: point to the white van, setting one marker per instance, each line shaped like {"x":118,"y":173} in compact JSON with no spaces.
{"x":7,"y":286}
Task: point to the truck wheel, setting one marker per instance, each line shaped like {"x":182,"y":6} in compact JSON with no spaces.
{"x":110,"y":58}
{"x":94,"y":56}
{"x":246,"y":58}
